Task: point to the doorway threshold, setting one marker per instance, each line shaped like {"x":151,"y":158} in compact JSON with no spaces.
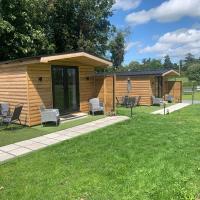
{"x":72,"y":116}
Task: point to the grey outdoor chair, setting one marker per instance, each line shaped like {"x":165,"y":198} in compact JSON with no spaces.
{"x":15,"y":116}
{"x":96,"y":106}
{"x":49,"y":115}
{"x":157,"y":101}
{"x":169,"y":98}
{"x":4,"y":109}
{"x":125,"y":100}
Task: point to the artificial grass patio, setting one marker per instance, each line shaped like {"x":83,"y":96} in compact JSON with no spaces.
{"x":16,"y":133}
{"x":147,"y":157}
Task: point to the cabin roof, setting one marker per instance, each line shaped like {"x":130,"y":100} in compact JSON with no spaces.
{"x":160,"y":72}
{"x":77,"y":58}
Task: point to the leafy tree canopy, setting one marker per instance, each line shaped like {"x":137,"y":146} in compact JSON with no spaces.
{"x":117,"y":49}
{"x":167,"y":62}
{"x":33,"y":27}
{"x":22,"y":29}
{"x":193,"y":72}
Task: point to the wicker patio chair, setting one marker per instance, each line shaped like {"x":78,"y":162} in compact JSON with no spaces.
{"x":96,"y":106}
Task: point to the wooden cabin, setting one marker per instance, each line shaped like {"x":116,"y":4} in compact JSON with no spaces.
{"x":65,"y":81}
{"x":145,"y":84}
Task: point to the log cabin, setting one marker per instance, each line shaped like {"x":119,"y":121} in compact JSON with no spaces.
{"x":146,"y":84}
{"x":64,"y":81}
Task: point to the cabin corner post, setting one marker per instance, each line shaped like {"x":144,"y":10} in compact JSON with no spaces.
{"x":114,"y":92}
{"x":28,"y":99}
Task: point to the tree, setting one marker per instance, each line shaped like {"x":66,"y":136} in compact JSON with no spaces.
{"x":134,"y":66}
{"x":193,"y":72}
{"x":151,"y":64}
{"x":81,"y":25}
{"x":167,"y":62}
{"x":22,"y":29}
{"x":117,"y":49}
{"x":189,"y":58}
{"x":33,"y":27}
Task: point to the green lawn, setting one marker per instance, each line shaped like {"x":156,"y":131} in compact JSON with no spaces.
{"x":149,"y":157}
{"x":17,"y":133}
{"x":189,"y":96}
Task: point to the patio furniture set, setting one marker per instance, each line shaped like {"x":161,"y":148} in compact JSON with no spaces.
{"x":7,"y":117}
{"x":53,"y":115}
{"x":47,"y":115}
{"x":160,"y":101}
{"x":128,"y":101}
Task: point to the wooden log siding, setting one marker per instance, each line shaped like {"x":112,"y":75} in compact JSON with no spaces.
{"x":86,"y":86}
{"x":39,"y":91}
{"x":141,"y":86}
{"x":174,"y":88}
{"x":13,"y":89}
{"x":104,"y":91}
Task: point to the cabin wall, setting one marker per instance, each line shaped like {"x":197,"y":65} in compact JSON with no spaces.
{"x":86,"y":86}
{"x":32,"y":86}
{"x":39,"y":91}
{"x":141,"y":86}
{"x":105,"y":91}
{"x":13,"y":88}
{"x":174,"y":88}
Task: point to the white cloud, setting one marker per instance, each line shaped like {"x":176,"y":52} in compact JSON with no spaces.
{"x":130,"y":45}
{"x":177,"y":44}
{"x":168,"y":11}
{"x":126,"y":4}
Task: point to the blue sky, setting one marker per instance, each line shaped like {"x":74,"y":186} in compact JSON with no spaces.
{"x":159,"y":27}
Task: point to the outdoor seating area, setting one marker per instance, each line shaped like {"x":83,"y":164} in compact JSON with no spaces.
{"x":49,"y":115}
{"x":7,"y":117}
{"x":96,"y":106}
{"x":128,"y":101}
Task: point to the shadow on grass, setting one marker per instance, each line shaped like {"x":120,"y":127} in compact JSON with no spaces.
{"x":11,"y":127}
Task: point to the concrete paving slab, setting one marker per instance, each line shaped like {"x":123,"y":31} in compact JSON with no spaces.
{"x":171,"y":109}
{"x":9,"y":147}
{"x":35,"y":146}
{"x":49,"y":141}
{"x":5,"y":156}
{"x":63,"y":137}
{"x":39,"y":139}
{"x":52,"y":135}
{"x":20,"y":151}
{"x":25,"y":142}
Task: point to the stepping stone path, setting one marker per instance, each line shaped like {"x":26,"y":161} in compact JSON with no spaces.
{"x":171,"y":109}
{"x":20,"y":148}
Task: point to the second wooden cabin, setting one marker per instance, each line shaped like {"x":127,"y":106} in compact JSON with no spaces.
{"x":146,"y":84}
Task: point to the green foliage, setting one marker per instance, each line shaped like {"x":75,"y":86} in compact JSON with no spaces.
{"x":80,"y":25}
{"x":33,"y":27}
{"x":152,"y":64}
{"x":22,"y":29}
{"x":134,"y":66}
{"x":117,"y":49}
{"x":167,"y":62}
{"x":189,"y":60}
{"x":193,"y":72}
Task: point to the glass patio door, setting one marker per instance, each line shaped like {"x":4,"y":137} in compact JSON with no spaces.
{"x":65,"y":87}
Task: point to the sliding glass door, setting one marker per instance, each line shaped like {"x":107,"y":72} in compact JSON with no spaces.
{"x":65,"y":84}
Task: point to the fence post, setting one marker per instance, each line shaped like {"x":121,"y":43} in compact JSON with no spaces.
{"x":164,"y":108}
{"x":193,"y":92}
